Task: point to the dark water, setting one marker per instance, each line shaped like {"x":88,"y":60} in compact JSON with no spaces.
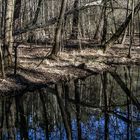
{"x":98,"y":107}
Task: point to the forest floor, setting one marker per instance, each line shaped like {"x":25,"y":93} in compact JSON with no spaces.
{"x":36,"y":71}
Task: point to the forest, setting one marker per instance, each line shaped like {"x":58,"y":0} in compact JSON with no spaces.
{"x":70,"y":57}
{"x":37,"y":34}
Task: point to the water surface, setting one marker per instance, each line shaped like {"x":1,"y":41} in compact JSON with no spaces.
{"x":98,"y":107}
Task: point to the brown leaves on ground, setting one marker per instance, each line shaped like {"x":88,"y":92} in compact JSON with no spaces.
{"x":34,"y":67}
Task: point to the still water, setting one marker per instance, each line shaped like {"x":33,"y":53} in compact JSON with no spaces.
{"x":98,"y":107}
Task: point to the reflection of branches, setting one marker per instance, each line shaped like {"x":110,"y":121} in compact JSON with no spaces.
{"x":106,"y":115}
{"x":78,"y":109}
{"x":23,"y":123}
{"x":63,"y":113}
{"x":65,"y":87}
{"x":114,"y":121}
{"x":124,"y":119}
{"x":125,"y":89}
{"x":45,"y":116}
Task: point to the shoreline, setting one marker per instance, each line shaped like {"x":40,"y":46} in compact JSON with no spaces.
{"x":70,"y":65}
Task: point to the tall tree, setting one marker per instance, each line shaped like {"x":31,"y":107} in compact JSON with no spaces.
{"x":2,"y":61}
{"x":37,"y":12}
{"x":74,"y":33}
{"x":56,"y":46}
{"x":122,"y":28}
{"x":8,"y":40}
{"x":104,"y":22}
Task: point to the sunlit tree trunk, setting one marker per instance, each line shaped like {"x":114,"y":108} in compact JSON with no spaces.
{"x":8,"y":42}
{"x":2,"y":61}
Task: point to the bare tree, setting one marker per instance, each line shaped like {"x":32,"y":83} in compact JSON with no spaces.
{"x":56,"y":46}
{"x":121,"y":29}
{"x":8,"y":40}
{"x":74,"y":33}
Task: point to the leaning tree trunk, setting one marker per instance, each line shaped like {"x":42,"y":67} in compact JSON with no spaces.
{"x":121,"y":29}
{"x":56,"y":46}
{"x":37,"y":12}
{"x":8,"y":41}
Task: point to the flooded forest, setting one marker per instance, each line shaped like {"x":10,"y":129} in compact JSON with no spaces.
{"x":69,"y":70}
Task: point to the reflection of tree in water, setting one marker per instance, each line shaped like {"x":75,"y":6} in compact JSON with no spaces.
{"x":96,"y":107}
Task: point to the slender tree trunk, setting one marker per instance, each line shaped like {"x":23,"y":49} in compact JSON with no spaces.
{"x":2,"y":62}
{"x":98,"y":31}
{"x":105,"y":23}
{"x":131,"y":30}
{"x":37,"y":12}
{"x":17,"y":9}
{"x":74,"y":34}
{"x":56,"y":46}
{"x":125,"y":32}
{"x":8,"y":42}
{"x":113,"y":16}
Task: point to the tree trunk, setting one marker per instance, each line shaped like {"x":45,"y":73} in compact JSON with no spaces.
{"x":56,"y":46}
{"x":121,"y":29}
{"x":2,"y":62}
{"x":104,"y":22}
{"x":98,"y":31}
{"x":131,"y":31}
{"x":37,"y":12}
{"x":74,"y":34}
{"x":125,"y":32}
{"x":17,"y":9}
{"x":8,"y":40}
